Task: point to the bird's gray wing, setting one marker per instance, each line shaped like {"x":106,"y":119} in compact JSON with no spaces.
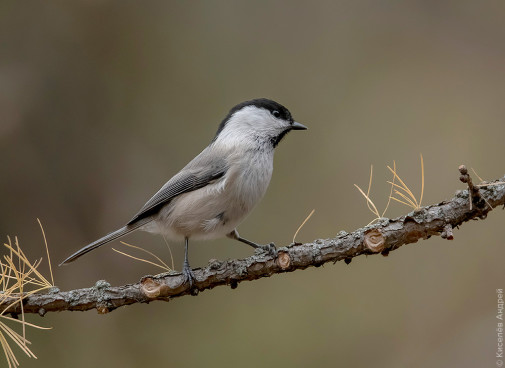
{"x":197,"y":174}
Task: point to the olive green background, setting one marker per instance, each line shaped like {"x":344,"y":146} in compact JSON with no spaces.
{"x":101,"y":102}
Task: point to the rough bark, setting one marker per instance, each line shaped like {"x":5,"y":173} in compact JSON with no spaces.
{"x":382,"y":237}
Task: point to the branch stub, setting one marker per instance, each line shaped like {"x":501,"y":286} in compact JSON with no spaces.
{"x":283,"y":260}
{"x":374,"y":241}
{"x":150,"y":288}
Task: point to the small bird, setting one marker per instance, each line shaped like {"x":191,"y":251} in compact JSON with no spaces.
{"x":216,"y":190}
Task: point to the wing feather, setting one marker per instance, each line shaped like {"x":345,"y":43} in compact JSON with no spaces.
{"x":197,"y":174}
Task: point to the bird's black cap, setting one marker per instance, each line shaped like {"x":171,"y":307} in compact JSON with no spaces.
{"x":263,"y":103}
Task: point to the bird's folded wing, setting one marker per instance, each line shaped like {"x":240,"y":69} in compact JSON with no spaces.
{"x":198,"y":174}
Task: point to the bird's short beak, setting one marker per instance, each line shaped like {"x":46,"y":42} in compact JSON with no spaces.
{"x":298,"y":126}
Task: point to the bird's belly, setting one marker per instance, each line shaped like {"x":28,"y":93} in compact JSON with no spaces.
{"x":201,"y":214}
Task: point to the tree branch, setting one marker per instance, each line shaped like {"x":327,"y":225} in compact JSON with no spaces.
{"x":383,"y":237}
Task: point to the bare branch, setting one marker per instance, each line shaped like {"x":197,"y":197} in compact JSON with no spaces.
{"x":382,"y":237}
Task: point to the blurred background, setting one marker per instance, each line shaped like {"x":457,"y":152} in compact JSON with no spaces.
{"x":102,"y":101}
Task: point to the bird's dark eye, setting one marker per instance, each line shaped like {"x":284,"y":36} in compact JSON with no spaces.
{"x":276,"y":113}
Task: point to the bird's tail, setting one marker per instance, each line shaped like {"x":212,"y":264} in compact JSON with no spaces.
{"x":107,"y":238}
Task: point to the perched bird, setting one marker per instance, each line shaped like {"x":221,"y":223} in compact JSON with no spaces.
{"x":214,"y":192}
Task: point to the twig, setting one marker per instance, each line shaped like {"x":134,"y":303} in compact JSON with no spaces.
{"x":476,"y":197}
{"x":383,"y":237}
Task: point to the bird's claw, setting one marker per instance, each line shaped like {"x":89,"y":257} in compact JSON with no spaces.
{"x":189,"y":277}
{"x":270,"y":249}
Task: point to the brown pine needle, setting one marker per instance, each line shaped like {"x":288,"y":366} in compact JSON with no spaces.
{"x":18,"y":339}
{"x":369,"y":187}
{"x":370,"y":204}
{"x":396,"y":199}
{"x":390,"y":192}
{"x":422,"y":180}
{"x":26,"y":323}
{"x":403,"y":186}
{"x":169,"y":249}
{"x":374,"y":211}
{"x":490,"y":184}
{"x":486,"y":185}
{"x":303,"y":223}
{"x":412,"y":204}
{"x":148,"y":252}
{"x":47,"y":251}
{"x":9,"y":354}
{"x":163,"y":266}
{"x":409,"y":199}
{"x":406,"y":190}
{"x":477,"y":175}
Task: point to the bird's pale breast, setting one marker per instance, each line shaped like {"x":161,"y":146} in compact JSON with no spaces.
{"x":216,"y":209}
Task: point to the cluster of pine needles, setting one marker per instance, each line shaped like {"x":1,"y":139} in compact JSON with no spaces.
{"x":19,"y":278}
{"x":400,"y":192}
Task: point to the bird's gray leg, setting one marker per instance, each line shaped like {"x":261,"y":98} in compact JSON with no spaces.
{"x":187,"y":272}
{"x":270,"y":248}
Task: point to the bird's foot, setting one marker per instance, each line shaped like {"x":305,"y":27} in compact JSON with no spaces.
{"x":268,"y":248}
{"x":189,"y":277}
